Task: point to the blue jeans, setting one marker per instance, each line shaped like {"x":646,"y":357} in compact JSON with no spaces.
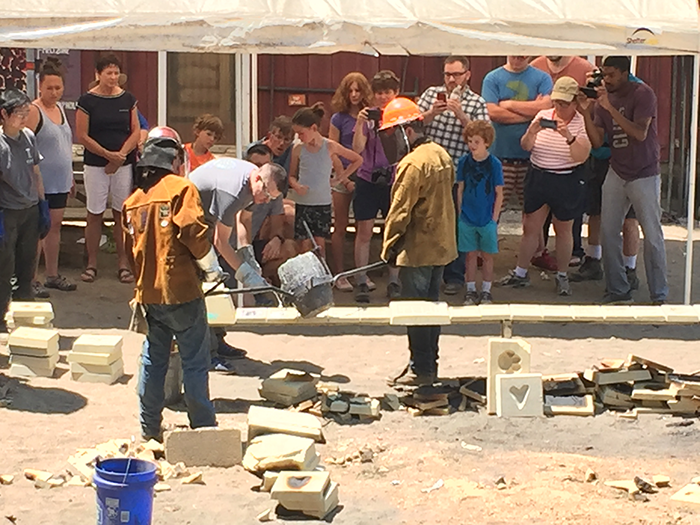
{"x":454,"y":272}
{"x":422,"y":283}
{"x":187,"y":323}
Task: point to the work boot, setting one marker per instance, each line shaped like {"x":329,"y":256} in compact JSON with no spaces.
{"x":229,"y":352}
{"x":632,"y":278}
{"x":407,"y":377}
{"x":452,"y":288}
{"x":590,"y":270}
{"x":617,"y":298}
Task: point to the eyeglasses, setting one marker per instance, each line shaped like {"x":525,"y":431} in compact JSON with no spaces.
{"x":454,"y":75}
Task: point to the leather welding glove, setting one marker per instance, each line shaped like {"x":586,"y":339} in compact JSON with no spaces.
{"x":210,"y":266}
{"x":247,"y":276}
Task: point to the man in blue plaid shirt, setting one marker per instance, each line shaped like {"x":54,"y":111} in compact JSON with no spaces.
{"x":446,"y":111}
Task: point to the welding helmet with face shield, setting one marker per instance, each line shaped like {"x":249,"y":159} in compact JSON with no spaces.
{"x":163,"y":149}
{"x":396,"y":116}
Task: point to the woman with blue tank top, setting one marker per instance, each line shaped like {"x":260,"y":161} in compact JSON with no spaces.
{"x":55,"y":143}
{"x":310,"y":176}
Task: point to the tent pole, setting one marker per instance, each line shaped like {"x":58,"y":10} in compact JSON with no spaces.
{"x":245,"y":100}
{"x":633,"y":64}
{"x":254,"y":95}
{"x":692,"y":173}
{"x":162,"y":88}
{"x":238,"y":97}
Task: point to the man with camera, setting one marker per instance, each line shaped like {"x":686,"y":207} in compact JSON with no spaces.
{"x":626,"y":111}
{"x":374,"y":179}
{"x":446,"y":110}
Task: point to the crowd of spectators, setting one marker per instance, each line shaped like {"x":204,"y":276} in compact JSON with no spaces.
{"x":533,"y":140}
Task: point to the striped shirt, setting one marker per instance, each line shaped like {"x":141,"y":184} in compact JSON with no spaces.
{"x":551,"y":151}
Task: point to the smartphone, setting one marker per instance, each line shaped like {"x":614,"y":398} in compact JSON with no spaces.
{"x":548,"y":123}
{"x":589,"y":92}
{"x":442,"y":97}
{"x":374,"y":114}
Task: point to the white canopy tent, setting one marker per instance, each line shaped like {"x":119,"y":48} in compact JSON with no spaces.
{"x":418,"y":27}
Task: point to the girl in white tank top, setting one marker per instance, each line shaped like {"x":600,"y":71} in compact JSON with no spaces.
{"x":312,"y":161}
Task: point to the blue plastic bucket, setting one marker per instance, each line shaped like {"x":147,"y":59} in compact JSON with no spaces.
{"x":124,"y":491}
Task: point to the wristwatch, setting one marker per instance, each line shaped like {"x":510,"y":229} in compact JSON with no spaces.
{"x":571,"y":141}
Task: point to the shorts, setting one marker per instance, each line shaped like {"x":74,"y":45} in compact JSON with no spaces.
{"x":99,"y":187}
{"x":57,"y":201}
{"x":565,"y":194}
{"x":477,"y":238}
{"x":369,"y":200}
{"x":317,"y":217}
{"x":598,"y":169}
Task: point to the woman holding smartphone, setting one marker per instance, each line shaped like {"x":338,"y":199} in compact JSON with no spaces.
{"x":556,"y":181}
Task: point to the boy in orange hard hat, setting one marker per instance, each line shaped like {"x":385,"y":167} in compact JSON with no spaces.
{"x":419,"y":230}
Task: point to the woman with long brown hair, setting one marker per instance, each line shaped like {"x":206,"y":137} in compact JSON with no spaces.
{"x":353,"y":94}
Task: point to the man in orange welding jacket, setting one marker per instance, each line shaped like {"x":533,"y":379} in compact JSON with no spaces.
{"x":171,"y":249}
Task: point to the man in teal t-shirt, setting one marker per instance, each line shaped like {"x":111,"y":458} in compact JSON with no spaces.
{"x":514,"y":94}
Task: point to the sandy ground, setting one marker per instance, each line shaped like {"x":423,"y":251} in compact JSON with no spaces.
{"x":543,"y":460}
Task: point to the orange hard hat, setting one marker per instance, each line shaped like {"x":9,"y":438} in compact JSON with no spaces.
{"x":400,"y":111}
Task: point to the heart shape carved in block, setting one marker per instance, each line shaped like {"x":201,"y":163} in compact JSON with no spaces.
{"x":520,"y":394}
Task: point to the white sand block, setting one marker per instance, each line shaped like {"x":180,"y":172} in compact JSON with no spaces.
{"x":98,"y":344}
{"x":375,"y":315}
{"x":91,"y":358}
{"x":495,"y":312}
{"x":97,"y":374}
{"x":220,"y":310}
{"x":25,"y":310}
{"x":679,"y":313}
{"x":465,"y":314}
{"x":33,"y":341}
{"x":255,"y":316}
{"x":419,"y":313}
{"x":39,"y":366}
{"x":526,"y":312}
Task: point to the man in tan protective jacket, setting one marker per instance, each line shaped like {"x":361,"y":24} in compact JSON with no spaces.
{"x":419,"y":230}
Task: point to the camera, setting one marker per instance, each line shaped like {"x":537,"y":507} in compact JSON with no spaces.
{"x":382,"y":176}
{"x":548,"y":123}
{"x":594,"y":82}
{"x":375,"y":115}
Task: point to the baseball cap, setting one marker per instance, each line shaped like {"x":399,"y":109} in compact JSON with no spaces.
{"x":566,"y":89}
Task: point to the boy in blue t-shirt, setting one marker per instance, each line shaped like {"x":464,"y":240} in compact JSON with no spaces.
{"x":480,"y":192}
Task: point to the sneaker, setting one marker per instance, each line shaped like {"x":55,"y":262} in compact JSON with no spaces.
{"x":486,"y":298}
{"x":563,"y":286}
{"x":39,"y":291}
{"x":407,"y":377}
{"x":472,"y":298}
{"x":362,"y":293}
{"x":574,"y":261}
{"x":453,"y":288}
{"x":545,"y":262}
{"x":513,"y":280}
{"x":590,"y":270}
{"x":343,"y":285}
{"x":220,"y":365}
{"x":59,"y":282}
{"x":658,"y":302}
{"x":230,"y":352}
{"x":393,"y":291}
{"x":632,"y":278}
{"x":614,"y":298}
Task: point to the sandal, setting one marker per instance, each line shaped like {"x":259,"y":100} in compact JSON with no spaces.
{"x":125,"y":276}
{"x":60,"y":283}
{"x":89,"y":275}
